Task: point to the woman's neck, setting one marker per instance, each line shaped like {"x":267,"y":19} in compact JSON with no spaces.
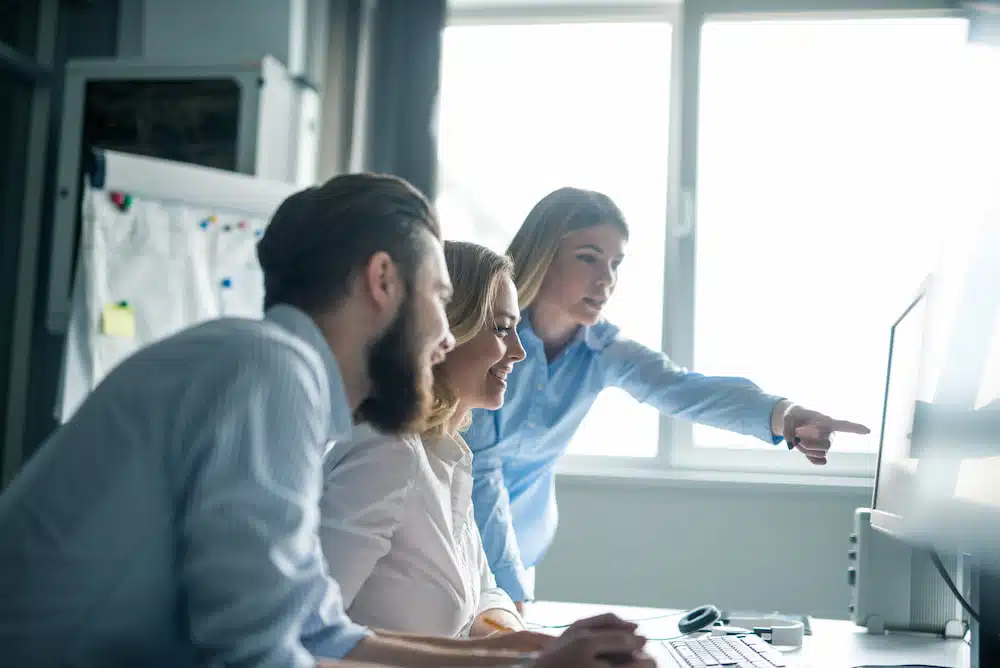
{"x":554,"y":329}
{"x":451,"y":427}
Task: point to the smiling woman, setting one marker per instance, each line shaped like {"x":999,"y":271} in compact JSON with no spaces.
{"x":396,"y":506}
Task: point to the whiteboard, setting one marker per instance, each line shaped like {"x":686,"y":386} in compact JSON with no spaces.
{"x":164,"y":246}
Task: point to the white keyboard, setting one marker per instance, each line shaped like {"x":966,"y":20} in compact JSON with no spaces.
{"x":729,"y":651}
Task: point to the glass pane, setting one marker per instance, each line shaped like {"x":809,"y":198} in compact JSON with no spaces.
{"x":526,"y":109}
{"x":193,"y":121}
{"x":826,"y":178}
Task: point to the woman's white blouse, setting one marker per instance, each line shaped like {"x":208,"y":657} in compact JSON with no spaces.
{"x":399,"y":535}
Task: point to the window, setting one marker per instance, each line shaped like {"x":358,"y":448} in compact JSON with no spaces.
{"x":820,"y":158}
{"x":825,"y":181}
{"x":528,"y":108}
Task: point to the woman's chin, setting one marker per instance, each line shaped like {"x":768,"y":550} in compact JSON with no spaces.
{"x":493,"y":401}
{"x":588,"y":317}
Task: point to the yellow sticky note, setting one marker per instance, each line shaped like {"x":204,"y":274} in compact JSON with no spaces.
{"x":118,"y":320}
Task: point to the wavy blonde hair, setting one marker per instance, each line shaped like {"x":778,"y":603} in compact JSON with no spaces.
{"x":558,"y":213}
{"x":475,"y":272}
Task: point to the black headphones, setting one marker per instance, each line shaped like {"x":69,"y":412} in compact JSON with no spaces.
{"x":699,"y":619}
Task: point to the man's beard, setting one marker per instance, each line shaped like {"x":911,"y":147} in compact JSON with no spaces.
{"x":400,"y":386}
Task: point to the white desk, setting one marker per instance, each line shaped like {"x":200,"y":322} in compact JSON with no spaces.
{"x":833,"y":643}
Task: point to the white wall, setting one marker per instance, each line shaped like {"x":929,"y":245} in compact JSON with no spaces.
{"x":679,"y":545}
{"x":227,"y":31}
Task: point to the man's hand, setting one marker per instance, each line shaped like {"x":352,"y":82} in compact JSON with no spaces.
{"x":596,"y":649}
{"x":597,"y":642}
{"x":809,"y":431}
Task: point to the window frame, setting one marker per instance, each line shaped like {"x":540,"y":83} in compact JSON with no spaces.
{"x":35,"y":70}
{"x":677,"y":457}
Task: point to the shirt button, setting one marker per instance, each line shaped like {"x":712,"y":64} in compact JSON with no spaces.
{"x":540,"y":387}
{"x":531,"y":425}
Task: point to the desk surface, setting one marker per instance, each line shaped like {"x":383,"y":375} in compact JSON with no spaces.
{"x":833,"y":643}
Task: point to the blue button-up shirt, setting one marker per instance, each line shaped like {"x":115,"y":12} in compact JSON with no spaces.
{"x":516,"y":447}
{"x":173,"y":520}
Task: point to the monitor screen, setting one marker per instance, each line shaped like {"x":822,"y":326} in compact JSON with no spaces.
{"x":902,"y":388}
{"x":938,"y":478}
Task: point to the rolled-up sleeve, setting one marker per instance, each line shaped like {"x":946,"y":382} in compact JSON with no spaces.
{"x":730,"y":403}
{"x":491,"y":596}
{"x":251,"y":568}
{"x":492,"y":508}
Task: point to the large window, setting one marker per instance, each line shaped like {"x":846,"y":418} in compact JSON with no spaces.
{"x":526,"y":109}
{"x":818,"y":163}
{"x":825,"y":182}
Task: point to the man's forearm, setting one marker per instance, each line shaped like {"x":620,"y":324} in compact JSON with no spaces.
{"x":410,"y":654}
{"x":443,"y":642}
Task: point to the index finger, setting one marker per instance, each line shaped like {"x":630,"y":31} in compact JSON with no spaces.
{"x":847,"y":427}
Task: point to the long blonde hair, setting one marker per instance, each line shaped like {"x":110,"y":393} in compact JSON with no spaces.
{"x":536,"y":242}
{"x":475,"y":272}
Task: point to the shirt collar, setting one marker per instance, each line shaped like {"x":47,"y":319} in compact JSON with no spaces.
{"x":451,"y":449}
{"x":596,"y":337}
{"x":300,"y":325}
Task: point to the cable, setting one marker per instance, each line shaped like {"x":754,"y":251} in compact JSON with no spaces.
{"x":943,"y":572}
{"x":668,"y":615}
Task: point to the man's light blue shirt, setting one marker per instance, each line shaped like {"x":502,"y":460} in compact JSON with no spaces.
{"x":173,"y":520}
{"x":516,"y":447}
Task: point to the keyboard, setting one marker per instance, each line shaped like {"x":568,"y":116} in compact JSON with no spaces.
{"x":730,"y":651}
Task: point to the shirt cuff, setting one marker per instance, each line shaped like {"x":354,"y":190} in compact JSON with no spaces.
{"x":760,"y":427}
{"x":333,"y":641}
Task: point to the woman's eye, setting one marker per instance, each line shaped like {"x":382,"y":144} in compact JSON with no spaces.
{"x":589,"y":259}
{"x":502,"y":332}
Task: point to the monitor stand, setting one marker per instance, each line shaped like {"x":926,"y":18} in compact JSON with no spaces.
{"x":985,"y":600}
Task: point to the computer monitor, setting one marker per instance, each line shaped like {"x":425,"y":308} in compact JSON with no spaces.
{"x":938,"y":480}
{"x":902,"y":384}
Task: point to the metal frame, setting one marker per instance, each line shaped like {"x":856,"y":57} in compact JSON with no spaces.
{"x":67,"y":191}
{"x":564,"y":12}
{"x":31,"y":229}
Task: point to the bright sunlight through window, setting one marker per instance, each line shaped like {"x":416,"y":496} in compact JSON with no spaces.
{"x":826,"y":181}
{"x":526,"y":109}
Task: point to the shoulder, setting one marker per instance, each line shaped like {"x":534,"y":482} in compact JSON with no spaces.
{"x":227,"y":365}
{"x":395,"y":457}
{"x":601,"y":335}
{"x":257,"y":350}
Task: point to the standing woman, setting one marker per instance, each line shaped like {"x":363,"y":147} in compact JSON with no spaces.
{"x":566,"y":257}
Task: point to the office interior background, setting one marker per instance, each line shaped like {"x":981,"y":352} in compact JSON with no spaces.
{"x":806,"y":144}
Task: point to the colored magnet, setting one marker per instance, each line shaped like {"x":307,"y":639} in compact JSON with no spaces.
{"x":121,"y":201}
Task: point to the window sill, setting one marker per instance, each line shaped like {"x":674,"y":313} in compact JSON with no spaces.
{"x":652,"y":475}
